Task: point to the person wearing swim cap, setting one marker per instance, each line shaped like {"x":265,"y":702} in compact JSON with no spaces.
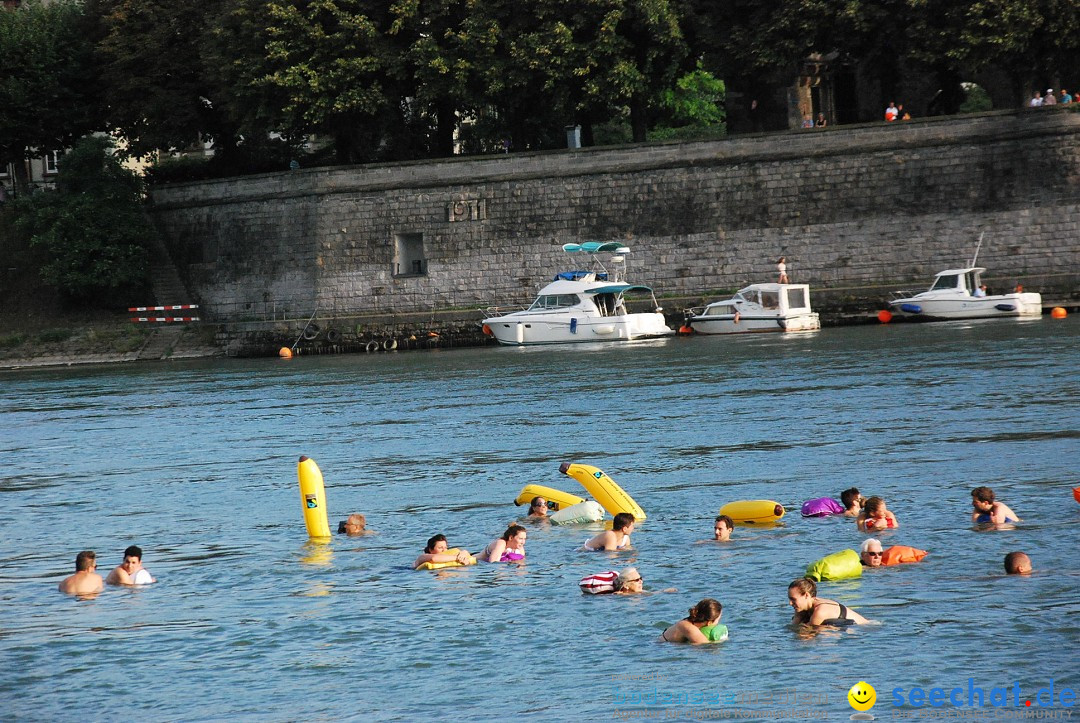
{"x":870,"y":553}
{"x":988,"y":509}
{"x":617,"y":538}
{"x":130,"y":571}
{"x":1017,"y":563}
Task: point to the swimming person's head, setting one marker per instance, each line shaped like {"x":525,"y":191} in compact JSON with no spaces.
{"x":538,"y":507}
{"x":85,"y":561}
{"x":622,"y":521}
{"x":514,"y":537}
{"x":851,"y":498}
{"x":353,"y":525}
{"x":722,"y":527}
{"x":870,"y":553}
{"x":707,"y":611}
{"x":436,"y":542}
{"x":629,"y":580}
{"x":874,"y":507}
{"x":801,"y":594}
{"x":982,"y":498}
{"x":1017,"y":563}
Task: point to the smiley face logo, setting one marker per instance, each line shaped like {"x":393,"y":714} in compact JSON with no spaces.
{"x":862,"y":696}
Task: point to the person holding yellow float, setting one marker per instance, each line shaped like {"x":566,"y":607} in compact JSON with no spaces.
{"x":702,"y":625}
{"x":617,"y":538}
{"x":438,"y":551}
{"x":508,"y":548}
{"x":813,"y":610}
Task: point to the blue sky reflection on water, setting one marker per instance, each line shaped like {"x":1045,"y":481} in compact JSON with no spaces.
{"x":196,"y":462}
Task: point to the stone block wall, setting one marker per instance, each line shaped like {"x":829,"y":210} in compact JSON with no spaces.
{"x":879,"y":204}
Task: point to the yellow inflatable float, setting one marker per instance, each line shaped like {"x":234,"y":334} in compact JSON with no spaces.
{"x":753,"y":512}
{"x":313,"y":498}
{"x":611,"y":496}
{"x":556,"y":499}
{"x":452,"y":563}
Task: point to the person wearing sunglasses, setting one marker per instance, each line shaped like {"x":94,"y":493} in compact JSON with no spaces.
{"x":538,"y":507}
{"x":870,"y":553}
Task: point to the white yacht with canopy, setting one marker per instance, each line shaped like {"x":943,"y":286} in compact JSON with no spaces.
{"x":757,"y":308}
{"x":580,"y":306}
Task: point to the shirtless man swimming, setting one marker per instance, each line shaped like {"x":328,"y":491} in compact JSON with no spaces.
{"x":988,"y":509}
{"x":617,"y":538}
{"x":130,"y":571}
{"x":85,"y":581}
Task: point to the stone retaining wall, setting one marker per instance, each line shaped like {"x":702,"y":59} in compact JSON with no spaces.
{"x":852,"y":206}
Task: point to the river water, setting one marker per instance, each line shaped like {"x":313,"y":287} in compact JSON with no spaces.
{"x":196,"y":462}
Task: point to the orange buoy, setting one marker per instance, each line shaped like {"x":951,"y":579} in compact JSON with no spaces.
{"x":686,"y":329}
{"x":285,"y":352}
{"x":487,"y":330}
{"x":884,"y":316}
{"x":1059,"y":312}
{"x":1076,"y":493}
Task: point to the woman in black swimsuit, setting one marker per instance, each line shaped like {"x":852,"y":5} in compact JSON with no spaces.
{"x":813,"y":610}
{"x":688,"y":630}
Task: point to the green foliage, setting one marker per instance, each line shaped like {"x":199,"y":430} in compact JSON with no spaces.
{"x":976,"y":100}
{"x":696,"y":100}
{"x":46,"y":88}
{"x":54,"y":336}
{"x":89,"y":234}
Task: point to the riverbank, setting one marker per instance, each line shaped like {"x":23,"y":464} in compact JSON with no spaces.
{"x":62,"y":339}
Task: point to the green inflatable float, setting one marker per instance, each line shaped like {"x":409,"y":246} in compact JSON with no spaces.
{"x":837,"y":566}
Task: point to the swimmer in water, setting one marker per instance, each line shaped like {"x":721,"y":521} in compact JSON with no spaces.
{"x":617,"y":538}
{"x":875,"y":516}
{"x":85,"y":581}
{"x":436,"y":551}
{"x":987,"y":509}
{"x":508,"y":548}
{"x":130,"y":571}
{"x":538,"y":507}
{"x":1017,"y":563}
{"x":353,"y":526}
{"x":852,"y":501}
{"x":813,"y":610}
{"x":870,"y":553}
{"x":722,"y":527}
{"x":688,"y":630}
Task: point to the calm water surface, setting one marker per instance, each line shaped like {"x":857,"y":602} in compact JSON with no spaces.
{"x":196,"y":462}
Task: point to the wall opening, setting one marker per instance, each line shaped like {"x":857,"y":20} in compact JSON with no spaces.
{"x":409,"y":255}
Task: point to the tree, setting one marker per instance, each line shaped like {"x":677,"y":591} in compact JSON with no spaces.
{"x":90,"y":234}
{"x":46,"y":88}
{"x":157,"y":93}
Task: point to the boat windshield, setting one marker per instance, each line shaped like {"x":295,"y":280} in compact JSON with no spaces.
{"x":554,"y":301}
{"x":770,"y":300}
{"x":946,"y":282}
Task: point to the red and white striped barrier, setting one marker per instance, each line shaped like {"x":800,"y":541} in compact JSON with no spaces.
{"x":165,"y":318}
{"x":163,"y":308}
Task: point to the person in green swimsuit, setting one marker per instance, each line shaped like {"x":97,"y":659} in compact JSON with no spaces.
{"x":706,"y":614}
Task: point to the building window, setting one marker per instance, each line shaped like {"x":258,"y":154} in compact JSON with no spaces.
{"x":409,"y":255}
{"x":52,"y":162}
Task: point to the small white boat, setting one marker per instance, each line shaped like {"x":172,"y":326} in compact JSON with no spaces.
{"x":958,"y":294}
{"x":758,"y":307}
{"x":582,"y":306}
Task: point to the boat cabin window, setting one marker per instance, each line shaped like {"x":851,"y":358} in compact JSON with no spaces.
{"x":796,"y":299}
{"x":770,"y":300}
{"x":554,"y":301}
{"x":946,"y":282}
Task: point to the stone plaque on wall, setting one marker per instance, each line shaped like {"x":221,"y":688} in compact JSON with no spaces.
{"x":466,"y":211}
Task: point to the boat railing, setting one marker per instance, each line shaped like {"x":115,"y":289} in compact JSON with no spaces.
{"x":490,"y":311}
{"x":904,"y":294}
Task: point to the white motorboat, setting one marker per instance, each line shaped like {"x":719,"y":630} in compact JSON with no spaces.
{"x":758,"y":307}
{"x":959,"y":294}
{"x":580,"y":306}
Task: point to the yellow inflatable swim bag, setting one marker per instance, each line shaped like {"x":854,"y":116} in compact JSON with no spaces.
{"x":441,"y":565}
{"x":837,"y":566}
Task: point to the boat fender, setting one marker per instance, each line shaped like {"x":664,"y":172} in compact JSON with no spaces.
{"x":1004,"y":307}
{"x":782,"y":323}
{"x":372,"y":346}
{"x":333,"y":336}
{"x":389,"y":345}
{"x":311,"y":332}
{"x":900,"y":554}
{"x":599,"y":584}
{"x":753,"y":512}
{"x":1076,"y":493}
{"x":911,"y":308}
{"x":573,"y":325}
{"x":837,"y":566}
{"x":822,"y":507}
{"x":441,"y":565}
{"x":487,"y":330}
